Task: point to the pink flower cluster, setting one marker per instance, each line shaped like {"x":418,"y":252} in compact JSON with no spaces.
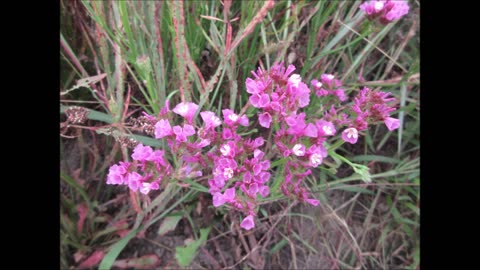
{"x":149,"y":163}
{"x":240,"y":166}
{"x":296,"y":138}
{"x":328,"y":85}
{"x":277,"y":94}
{"x":385,"y":11}
{"x":371,"y":107}
{"x":237,"y":169}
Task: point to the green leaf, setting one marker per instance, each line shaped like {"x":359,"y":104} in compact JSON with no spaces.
{"x":170,"y":223}
{"x":278,"y":246}
{"x":185,"y":255}
{"x":264,"y":212}
{"x":196,"y":186}
{"x":112,"y":255}
{"x":375,"y":158}
{"x":356,"y":189}
{"x":69,"y":180}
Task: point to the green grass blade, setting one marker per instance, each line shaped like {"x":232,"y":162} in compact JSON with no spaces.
{"x":112,"y":255}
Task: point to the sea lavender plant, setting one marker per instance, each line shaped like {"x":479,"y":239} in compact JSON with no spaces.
{"x":238,"y":168}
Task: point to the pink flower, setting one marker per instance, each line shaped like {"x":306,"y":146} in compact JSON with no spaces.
{"x":247,"y":223}
{"x":254,"y":87}
{"x":228,"y":149}
{"x":316,"y":84}
{"x":340,"y":94}
{"x":227,"y":134}
{"x":224,"y":169}
{"x":386,"y":10}
{"x":296,"y":123}
{"x":372,"y":8}
{"x":157,"y":157}
{"x":252,"y":190}
{"x":316,"y":155}
{"x":183,"y":133}
{"x":141,"y":152}
{"x":312,"y":201}
{"x":187,"y":171}
{"x":187,"y":110}
{"x":117,"y":174}
{"x":315,"y":159}
{"x":146,"y":187}
{"x":258,"y":154}
{"x":327,"y":79}
{"x":210,"y":119}
{"x":218,"y":199}
{"x":310,"y":131}
{"x":134,"y":181}
{"x":203,"y":143}
{"x":392,"y":123}
{"x":265,"y":119}
{"x":165,"y":109}
{"x":258,"y":142}
{"x":162,"y":129}
{"x":360,"y":123}
{"x":259,"y":100}
{"x":394,"y":10}
{"x":321,"y":92}
{"x":350,"y":135}
{"x":278,"y":72}
{"x":264,"y":191}
{"x":295,"y":80}
{"x":325,"y":128}
{"x":298,"y":150}
{"x":232,"y":119}
{"x":302,"y":95}
{"x":229,"y":195}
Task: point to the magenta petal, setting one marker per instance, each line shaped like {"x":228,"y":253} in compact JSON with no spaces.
{"x":265,"y":119}
{"x":142,"y":152}
{"x":312,"y":202}
{"x":210,"y":119}
{"x":177,"y":130}
{"x":134,"y":181}
{"x":264,"y":191}
{"x":264,"y":100}
{"x":229,"y":194}
{"x":350,"y":135}
{"x":264,"y":177}
{"x":255,"y":100}
{"x":243,"y":121}
{"x":257,"y":153}
{"x":257,"y":168}
{"x":258,"y":142}
{"x":227,"y":134}
{"x":253,"y":189}
{"x":251,"y":86}
{"x":145,"y":188}
{"x":188,"y":130}
{"x":162,"y":129}
{"x":186,"y":109}
{"x":247,"y":223}
{"x":218,"y":199}
{"x":392,"y":123}
{"x":310,"y":131}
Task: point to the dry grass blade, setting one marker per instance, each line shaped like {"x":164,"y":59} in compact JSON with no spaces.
{"x":249,"y":28}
